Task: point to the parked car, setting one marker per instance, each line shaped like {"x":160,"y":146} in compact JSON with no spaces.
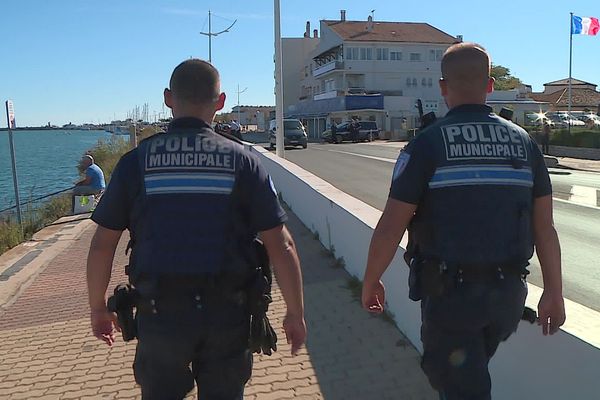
{"x":563,"y":119}
{"x":538,"y":119}
{"x":368,"y":131}
{"x":591,"y":120}
{"x":294,"y":134}
{"x":572,"y":121}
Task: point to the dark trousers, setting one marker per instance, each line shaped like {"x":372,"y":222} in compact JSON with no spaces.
{"x":545,"y":148}
{"x":461,"y":331}
{"x":205,"y":343}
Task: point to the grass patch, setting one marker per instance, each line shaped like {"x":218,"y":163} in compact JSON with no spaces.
{"x":11,"y":234}
{"x":339,"y":263}
{"x":354,"y":285}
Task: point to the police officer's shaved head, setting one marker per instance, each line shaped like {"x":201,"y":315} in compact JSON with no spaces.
{"x":466,"y":67}
{"x":195,"y":81}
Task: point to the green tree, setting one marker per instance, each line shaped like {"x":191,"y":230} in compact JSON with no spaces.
{"x":504,"y":80}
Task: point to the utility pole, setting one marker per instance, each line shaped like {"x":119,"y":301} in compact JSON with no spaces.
{"x":238,"y":102}
{"x":210,"y":34}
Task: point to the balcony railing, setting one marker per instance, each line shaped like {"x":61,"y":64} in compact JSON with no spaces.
{"x":328,"y":95}
{"x":331,"y":66}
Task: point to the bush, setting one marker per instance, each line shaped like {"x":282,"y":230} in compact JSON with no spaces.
{"x":34,"y":219}
{"x":107,"y":153}
{"x":577,"y":138}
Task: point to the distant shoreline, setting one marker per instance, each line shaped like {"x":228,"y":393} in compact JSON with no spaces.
{"x":45,"y":128}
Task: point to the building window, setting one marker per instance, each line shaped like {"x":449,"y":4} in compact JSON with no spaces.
{"x":430,"y":82}
{"x":363,"y":53}
{"x":408,"y":82}
{"x":414,"y":82}
{"x":396,"y":55}
{"x":369,"y":53}
{"x":352,"y":53}
{"x":435,"y":55}
{"x":423,"y":82}
{"x":383,"y":54}
{"x":415,"y":56}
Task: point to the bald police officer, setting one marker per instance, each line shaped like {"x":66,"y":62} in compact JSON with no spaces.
{"x":475,"y":195}
{"x":193,"y":202}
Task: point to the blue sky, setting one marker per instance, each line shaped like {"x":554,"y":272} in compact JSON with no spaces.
{"x":90,"y":60}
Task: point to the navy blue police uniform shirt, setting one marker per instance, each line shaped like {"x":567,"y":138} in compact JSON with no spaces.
{"x":474,"y":177}
{"x":115,"y":210}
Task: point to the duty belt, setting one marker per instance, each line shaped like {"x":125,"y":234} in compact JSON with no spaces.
{"x":179,"y":293}
{"x":486,"y":272}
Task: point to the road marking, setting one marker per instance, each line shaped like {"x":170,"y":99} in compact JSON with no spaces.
{"x":575,"y":204}
{"x":583,"y":196}
{"x":389,"y":160}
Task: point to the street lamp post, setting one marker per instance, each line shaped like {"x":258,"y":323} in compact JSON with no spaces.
{"x":238,"y":103}
{"x":279,"y":138}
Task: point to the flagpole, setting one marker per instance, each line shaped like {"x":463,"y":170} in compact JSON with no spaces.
{"x":570,"y":67}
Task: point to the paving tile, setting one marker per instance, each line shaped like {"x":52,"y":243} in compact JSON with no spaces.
{"x":48,"y":351}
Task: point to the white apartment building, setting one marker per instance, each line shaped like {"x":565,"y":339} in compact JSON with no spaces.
{"x":369,"y":69}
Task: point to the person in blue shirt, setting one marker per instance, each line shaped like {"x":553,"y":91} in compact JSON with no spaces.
{"x":475,"y":195}
{"x":93,"y":183}
{"x":193,"y":202}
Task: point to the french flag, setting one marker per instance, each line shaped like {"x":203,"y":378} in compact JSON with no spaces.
{"x":584,"y":25}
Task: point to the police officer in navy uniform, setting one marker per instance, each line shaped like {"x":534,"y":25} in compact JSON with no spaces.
{"x":475,"y":195}
{"x":193,"y":202}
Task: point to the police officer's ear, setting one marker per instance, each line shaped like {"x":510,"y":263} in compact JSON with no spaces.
{"x":443,"y":87}
{"x":220,"y":104}
{"x":168,"y":95}
{"x":490,"y":85}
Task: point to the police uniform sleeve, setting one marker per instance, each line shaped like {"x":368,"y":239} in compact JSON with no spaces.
{"x":412,"y":171}
{"x":265,"y":211}
{"x":542,"y":186}
{"x":116,"y":203}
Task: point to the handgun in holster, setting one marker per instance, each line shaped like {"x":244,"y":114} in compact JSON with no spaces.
{"x":122,"y":302}
{"x":427,"y":278}
{"x":263,"y":338}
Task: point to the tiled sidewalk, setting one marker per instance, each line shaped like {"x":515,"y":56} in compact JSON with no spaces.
{"x":47,"y":351}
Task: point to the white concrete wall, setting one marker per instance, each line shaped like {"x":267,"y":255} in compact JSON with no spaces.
{"x":528,"y":366}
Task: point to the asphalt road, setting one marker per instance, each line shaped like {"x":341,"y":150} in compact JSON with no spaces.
{"x":364,"y":171}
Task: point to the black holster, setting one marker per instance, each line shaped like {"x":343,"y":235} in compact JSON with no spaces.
{"x":122,"y":303}
{"x":427,"y":279}
{"x":263,"y":338}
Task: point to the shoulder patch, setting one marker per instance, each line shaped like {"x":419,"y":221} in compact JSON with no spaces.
{"x":401,"y":164}
{"x":272,"y":186}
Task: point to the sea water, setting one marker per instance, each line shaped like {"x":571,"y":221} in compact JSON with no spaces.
{"x":46,"y":161}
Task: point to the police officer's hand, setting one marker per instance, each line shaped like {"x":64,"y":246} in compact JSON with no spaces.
{"x":295,"y":331}
{"x":373,"y":297}
{"x":104,"y":325}
{"x":551,"y":313}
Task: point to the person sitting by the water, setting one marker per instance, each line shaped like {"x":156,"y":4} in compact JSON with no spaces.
{"x":93,"y":183}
